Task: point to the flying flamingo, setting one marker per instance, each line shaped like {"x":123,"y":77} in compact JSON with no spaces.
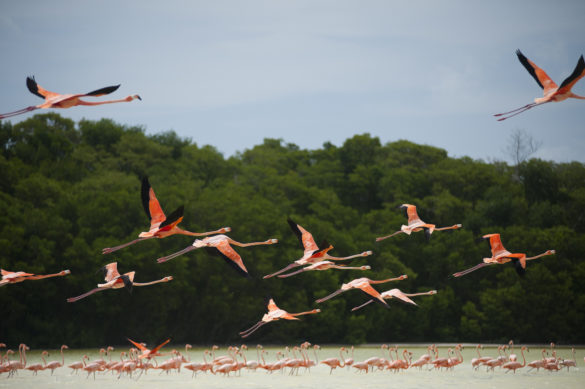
{"x":500,"y":256}
{"x":312,"y":254}
{"x":416,"y":224}
{"x":11,"y":277}
{"x":365,"y":284}
{"x":397,"y":293}
{"x":161,"y":226}
{"x":324,"y":265}
{"x":514,"y":365}
{"x":56,"y":100}
{"x":116,"y":281}
{"x":552,"y":92}
{"x":275,"y":313}
{"x":220,"y":245}
{"x":55,"y":364}
{"x":147,"y":353}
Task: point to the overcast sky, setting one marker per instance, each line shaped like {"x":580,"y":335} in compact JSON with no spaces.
{"x":231,"y":73}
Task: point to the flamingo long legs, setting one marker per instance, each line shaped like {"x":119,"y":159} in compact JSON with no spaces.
{"x":252,"y":329}
{"x":388,"y":236}
{"x":330,"y":296}
{"x":74,"y":299}
{"x":109,"y":250}
{"x":515,"y":112}
{"x":464,"y":272}
{"x":178,"y":253}
{"x":291,"y":266}
{"x":363,"y":305}
{"x":20,"y":111}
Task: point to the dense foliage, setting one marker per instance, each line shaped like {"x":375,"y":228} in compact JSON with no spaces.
{"x":68,"y":190}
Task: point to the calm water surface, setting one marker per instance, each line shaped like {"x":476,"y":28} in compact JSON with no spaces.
{"x":317,"y":378}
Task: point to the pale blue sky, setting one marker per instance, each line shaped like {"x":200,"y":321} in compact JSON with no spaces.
{"x":230,"y":73}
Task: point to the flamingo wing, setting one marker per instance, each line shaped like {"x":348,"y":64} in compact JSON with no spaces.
{"x":411,"y":213}
{"x":151,"y":204}
{"x":495,"y":244}
{"x":272,"y":306}
{"x":103,"y":91}
{"x":110,"y":271}
{"x":542,"y":79}
{"x":369,"y":289}
{"x":304,"y":236}
{"x":174,"y":218}
{"x":397,"y":293}
{"x":224,"y":250}
{"x":36,"y":89}
{"x":154,"y":350}
{"x":577,"y":74}
{"x":138,"y":345}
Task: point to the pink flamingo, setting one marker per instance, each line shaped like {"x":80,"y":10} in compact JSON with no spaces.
{"x":274,"y":314}
{"x":56,"y":100}
{"x":11,"y":277}
{"x":35,"y":368}
{"x":397,"y":293}
{"x":552,"y":92}
{"x":161,"y":226}
{"x":334,"y":363}
{"x":312,"y":254}
{"x":147,"y":353}
{"x":365,"y":284}
{"x":416,"y":224}
{"x":515,"y":365}
{"x":220,"y":245}
{"x":500,"y":256}
{"x":78,"y":365}
{"x":116,"y":281}
{"x":569,"y":362}
{"x":55,"y":364}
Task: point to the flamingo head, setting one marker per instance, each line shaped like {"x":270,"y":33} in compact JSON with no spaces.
{"x":225,"y":229}
{"x":130,"y":98}
{"x":65,"y":272}
{"x":431,"y":292}
{"x":366,"y":267}
{"x":273,"y":241}
{"x":366,"y":253}
{"x":167,"y":279}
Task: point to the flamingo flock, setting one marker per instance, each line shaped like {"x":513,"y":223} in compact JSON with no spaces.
{"x":314,"y":258}
{"x":138,"y":360}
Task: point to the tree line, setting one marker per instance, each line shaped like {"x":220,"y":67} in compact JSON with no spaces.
{"x":69,"y":189}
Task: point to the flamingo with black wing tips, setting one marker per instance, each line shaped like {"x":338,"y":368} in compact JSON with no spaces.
{"x":552,"y":92}
{"x":312,"y":254}
{"x":11,"y":277}
{"x":116,"y":281}
{"x":161,"y":226}
{"x":220,"y":245}
{"x":500,"y":256}
{"x":416,"y":224}
{"x":397,"y":293}
{"x":365,"y":284}
{"x":275,"y":313}
{"x":56,"y":100}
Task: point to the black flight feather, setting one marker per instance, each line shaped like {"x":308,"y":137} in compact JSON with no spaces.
{"x":103,"y":91}
{"x":579,"y":69}
{"x":178,"y":213}
{"x":145,"y":193}
{"x":127,"y":283}
{"x":295,"y":228}
{"x":31,"y":84}
{"x":518,"y":266}
{"x":528,"y":66}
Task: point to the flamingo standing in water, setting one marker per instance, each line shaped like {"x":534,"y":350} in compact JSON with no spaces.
{"x":312,"y":254}
{"x":552,"y":92}
{"x":275,"y":313}
{"x":161,"y":226}
{"x":500,"y":256}
{"x":416,"y":224}
{"x":11,"y":277}
{"x":220,"y":245}
{"x":515,"y":365}
{"x":116,"y":281}
{"x":35,"y":368}
{"x":397,"y":293}
{"x":365,"y":284}
{"x":56,"y":100}
{"x":334,"y":363}
{"x":56,"y":364}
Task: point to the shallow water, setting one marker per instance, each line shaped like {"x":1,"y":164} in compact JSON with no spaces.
{"x":318,"y":377}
